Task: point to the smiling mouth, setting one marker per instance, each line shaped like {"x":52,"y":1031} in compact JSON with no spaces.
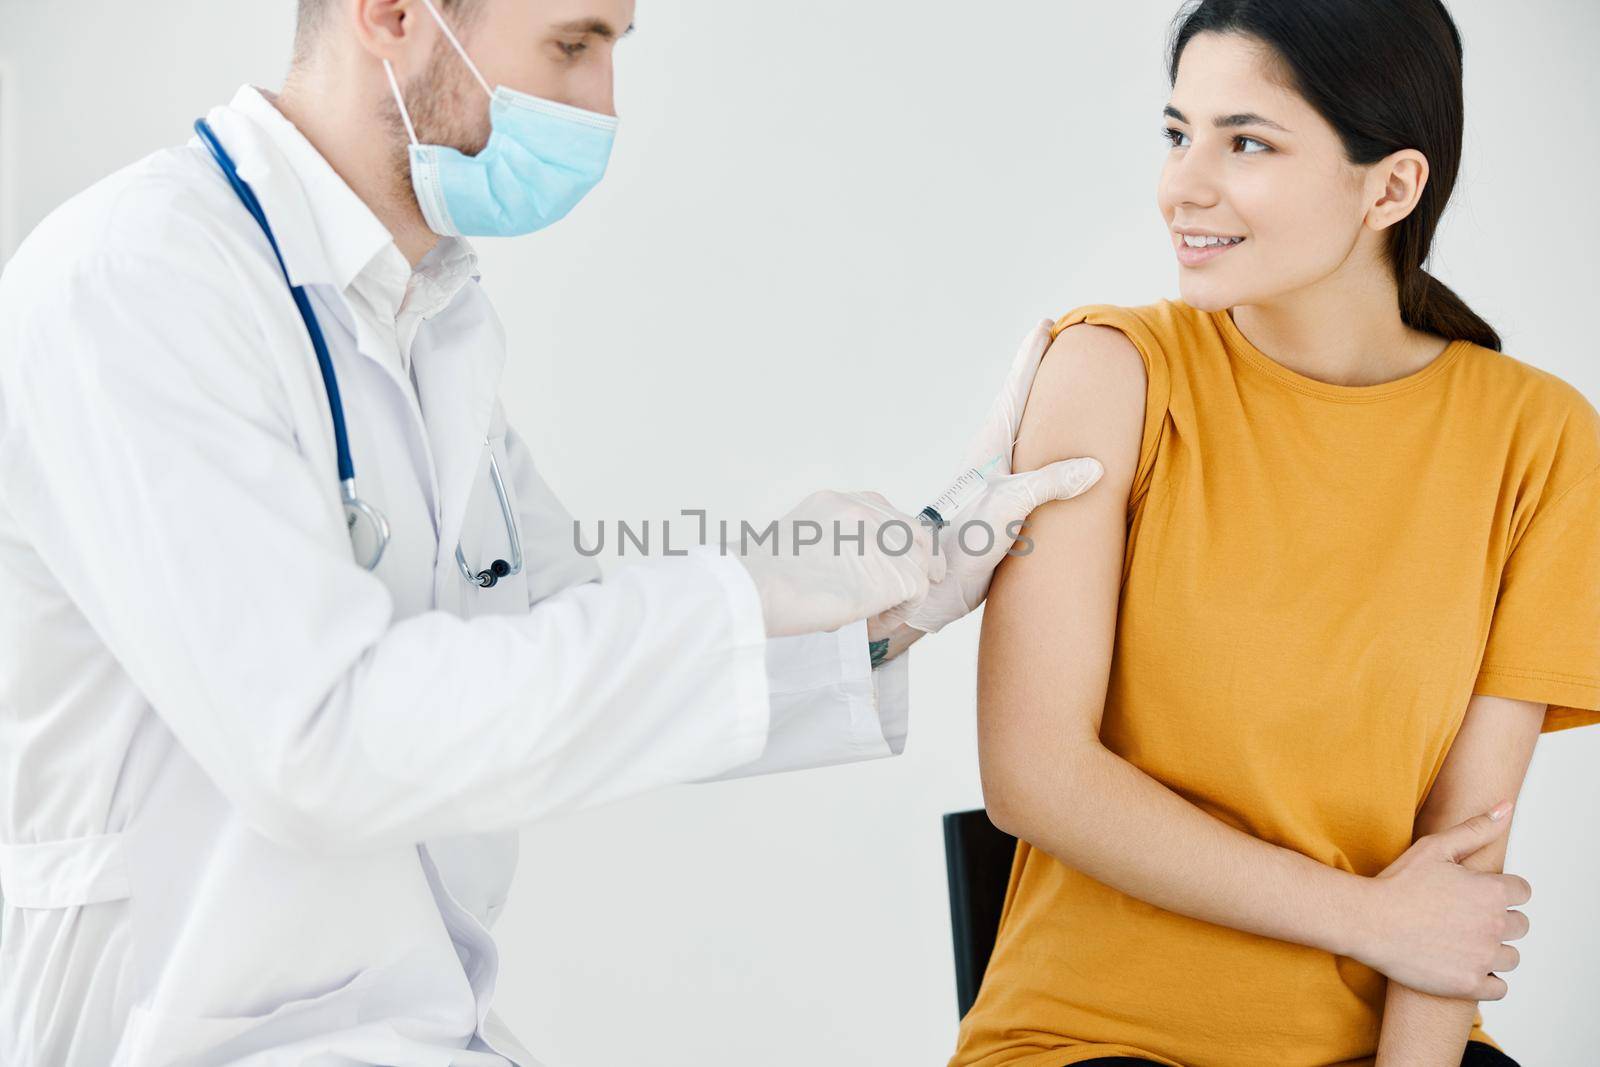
{"x":1209,"y":248}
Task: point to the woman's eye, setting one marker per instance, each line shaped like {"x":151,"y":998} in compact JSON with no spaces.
{"x":572,"y":50}
{"x":1173,"y":136}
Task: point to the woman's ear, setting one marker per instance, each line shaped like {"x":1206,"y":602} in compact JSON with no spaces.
{"x":1400,"y":179}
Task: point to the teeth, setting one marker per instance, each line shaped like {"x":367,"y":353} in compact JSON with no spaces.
{"x":1206,"y":242}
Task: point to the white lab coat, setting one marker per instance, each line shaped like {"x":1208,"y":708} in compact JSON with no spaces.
{"x":257,"y":804}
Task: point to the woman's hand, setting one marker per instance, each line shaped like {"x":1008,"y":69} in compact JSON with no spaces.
{"x":1439,"y":927}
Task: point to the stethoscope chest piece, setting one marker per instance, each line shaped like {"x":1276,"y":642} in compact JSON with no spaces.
{"x":368,"y":529}
{"x":500,"y":568}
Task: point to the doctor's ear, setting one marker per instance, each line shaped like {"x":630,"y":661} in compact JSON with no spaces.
{"x":401,"y":31}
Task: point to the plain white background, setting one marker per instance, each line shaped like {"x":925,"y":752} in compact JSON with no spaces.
{"x":825,"y":228}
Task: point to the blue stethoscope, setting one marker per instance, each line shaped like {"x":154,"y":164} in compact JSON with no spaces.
{"x":369,"y":530}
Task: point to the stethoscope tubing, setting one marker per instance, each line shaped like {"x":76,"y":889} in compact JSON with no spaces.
{"x":330,"y":381}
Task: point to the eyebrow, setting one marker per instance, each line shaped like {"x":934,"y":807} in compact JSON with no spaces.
{"x":599,"y":27}
{"x":1243,"y":118}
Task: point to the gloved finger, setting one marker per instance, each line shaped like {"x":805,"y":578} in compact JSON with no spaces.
{"x":1060,"y":480}
{"x":878,"y":499}
{"x":895,"y":616}
{"x":904,"y":612}
{"x":882,"y":509}
{"x":916,"y":614}
{"x":999,"y":430}
{"x":924,"y":548}
{"x":872,"y":512}
{"x":938,"y":566}
{"x":913,"y":572}
{"x":913,"y":613}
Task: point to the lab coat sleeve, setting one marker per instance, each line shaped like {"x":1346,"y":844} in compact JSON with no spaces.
{"x":147,"y":455}
{"x":828,"y":704}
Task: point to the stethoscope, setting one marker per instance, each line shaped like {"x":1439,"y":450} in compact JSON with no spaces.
{"x":369,"y":530}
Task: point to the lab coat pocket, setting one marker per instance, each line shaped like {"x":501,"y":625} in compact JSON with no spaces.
{"x":361,"y":1017}
{"x":163,"y":1039}
{"x":487,"y":534}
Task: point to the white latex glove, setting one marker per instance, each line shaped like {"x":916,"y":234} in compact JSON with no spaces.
{"x":810,"y":580}
{"x":1006,"y":499}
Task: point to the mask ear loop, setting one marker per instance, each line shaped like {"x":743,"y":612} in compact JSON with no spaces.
{"x":405,"y":116}
{"x":460,"y":51}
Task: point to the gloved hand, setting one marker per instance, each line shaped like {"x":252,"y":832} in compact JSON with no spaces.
{"x":1006,"y":498}
{"x":811,"y":579}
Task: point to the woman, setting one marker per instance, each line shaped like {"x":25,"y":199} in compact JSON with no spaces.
{"x":1338,"y":576}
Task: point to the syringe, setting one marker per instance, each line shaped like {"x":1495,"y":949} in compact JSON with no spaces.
{"x":960,"y":493}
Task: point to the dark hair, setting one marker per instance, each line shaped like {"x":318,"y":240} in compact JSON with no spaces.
{"x":1386,"y":75}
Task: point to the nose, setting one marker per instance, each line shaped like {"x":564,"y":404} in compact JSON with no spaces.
{"x":592,"y":88}
{"x":1190,"y":177}
{"x":605,"y":97}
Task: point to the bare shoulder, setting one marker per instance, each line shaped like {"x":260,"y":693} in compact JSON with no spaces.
{"x":1087,"y":400}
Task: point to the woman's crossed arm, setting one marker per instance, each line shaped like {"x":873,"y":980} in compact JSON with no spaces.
{"x":1487,"y":760}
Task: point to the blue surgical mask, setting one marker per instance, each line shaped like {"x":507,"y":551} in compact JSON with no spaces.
{"x":542,"y":158}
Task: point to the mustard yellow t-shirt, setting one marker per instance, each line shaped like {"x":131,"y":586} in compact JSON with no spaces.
{"x":1317,"y":578}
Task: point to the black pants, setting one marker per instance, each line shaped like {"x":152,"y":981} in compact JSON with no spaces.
{"x":1477,"y":1055}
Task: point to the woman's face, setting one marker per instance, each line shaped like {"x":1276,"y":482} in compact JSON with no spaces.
{"x":1273,"y":172}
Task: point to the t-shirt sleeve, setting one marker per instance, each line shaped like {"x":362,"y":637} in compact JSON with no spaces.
{"x":1158,"y":375}
{"x":1544,"y":638}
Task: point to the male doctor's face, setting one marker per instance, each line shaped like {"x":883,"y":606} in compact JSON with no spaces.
{"x":557,"y":49}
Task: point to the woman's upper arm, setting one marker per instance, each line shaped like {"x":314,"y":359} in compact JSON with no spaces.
{"x":1050,"y":618}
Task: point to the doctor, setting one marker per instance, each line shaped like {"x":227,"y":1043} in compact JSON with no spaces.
{"x":292,"y":650}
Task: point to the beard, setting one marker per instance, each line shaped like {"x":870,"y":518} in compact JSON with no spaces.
{"x":447,"y":107}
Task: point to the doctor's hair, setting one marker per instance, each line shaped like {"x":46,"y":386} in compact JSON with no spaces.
{"x":1386,"y":75}
{"x":311,"y":16}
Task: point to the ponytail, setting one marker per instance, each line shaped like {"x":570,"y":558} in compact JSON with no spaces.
{"x":1428,"y":304}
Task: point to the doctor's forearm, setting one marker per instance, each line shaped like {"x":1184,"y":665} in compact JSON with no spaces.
{"x":393,"y":754}
{"x":900,"y":638}
{"x":1103,"y":816}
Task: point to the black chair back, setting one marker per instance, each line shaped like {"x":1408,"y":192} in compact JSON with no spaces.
{"x":977,"y":856}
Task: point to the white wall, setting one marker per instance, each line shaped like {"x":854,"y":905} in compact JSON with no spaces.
{"x":825,"y":227}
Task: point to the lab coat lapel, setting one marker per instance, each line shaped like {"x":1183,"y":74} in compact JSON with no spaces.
{"x":265,"y":170}
{"x":458,"y":359}
{"x":284,"y":200}
{"x":325,"y":233}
